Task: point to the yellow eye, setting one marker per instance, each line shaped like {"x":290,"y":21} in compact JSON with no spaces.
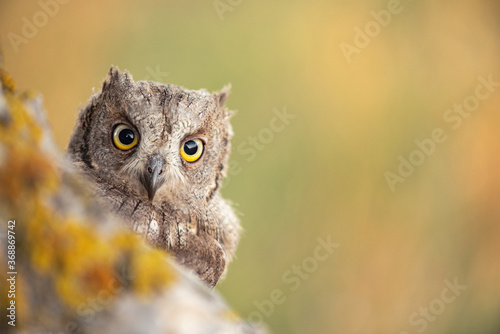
{"x":124,"y":137}
{"x":192,"y":150}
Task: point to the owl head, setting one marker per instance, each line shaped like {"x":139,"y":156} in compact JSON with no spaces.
{"x":154,"y":141}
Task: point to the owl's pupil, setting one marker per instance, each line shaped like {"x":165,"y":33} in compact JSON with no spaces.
{"x":126,"y":136}
{"x":190,"y":147}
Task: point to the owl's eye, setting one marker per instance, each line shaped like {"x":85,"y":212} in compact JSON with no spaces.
{"x":192,"y":150}
{"x":124,"y":137}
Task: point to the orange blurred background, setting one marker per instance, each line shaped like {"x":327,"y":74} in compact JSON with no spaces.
{"x":359,"y":93}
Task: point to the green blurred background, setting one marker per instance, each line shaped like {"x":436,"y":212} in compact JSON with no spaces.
{"x":324,"y":173}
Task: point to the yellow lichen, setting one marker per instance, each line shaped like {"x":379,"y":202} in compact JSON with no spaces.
{"x":6,"y":81}
{"x":231,"y":315}
{"x":150,"y":270}
{"x":148,"y":267}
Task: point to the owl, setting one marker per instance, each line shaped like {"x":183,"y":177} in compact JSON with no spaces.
{"x":155,"y":155}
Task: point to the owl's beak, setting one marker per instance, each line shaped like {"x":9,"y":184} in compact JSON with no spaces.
{"x":153,"y":177}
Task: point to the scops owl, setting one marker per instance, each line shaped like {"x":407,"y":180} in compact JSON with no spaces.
{"x":156,"y":154}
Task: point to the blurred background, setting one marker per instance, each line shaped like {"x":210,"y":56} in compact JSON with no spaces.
{"x":355,"y":84}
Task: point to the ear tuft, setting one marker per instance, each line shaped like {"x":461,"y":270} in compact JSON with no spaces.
{"x":115,"y":77}
{"x":222,"y":95}
{"x":112,"y":78}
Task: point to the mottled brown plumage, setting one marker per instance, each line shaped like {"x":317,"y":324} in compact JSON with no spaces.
{"x":173,"y":203}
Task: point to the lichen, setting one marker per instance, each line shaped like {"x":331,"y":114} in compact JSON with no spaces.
{"x":7,"y":81}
